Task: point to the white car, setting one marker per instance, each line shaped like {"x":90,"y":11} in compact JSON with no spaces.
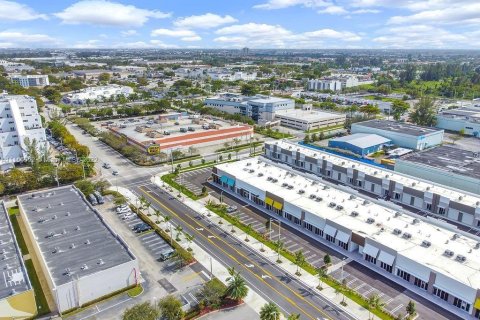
{"x":122,"y":207}
{"x":128,"y":215}
{"x":127,"y":210}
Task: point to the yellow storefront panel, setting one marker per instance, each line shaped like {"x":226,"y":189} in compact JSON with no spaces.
{"x":269,"y":201}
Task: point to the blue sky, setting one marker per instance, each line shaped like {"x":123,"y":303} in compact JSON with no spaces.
{"x":290,"y":24}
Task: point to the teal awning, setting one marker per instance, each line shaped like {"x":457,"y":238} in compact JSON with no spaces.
{"x":224,"y":179}
{"x":230,"y":182}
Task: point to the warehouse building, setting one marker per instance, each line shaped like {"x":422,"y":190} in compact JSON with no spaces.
{"x":81,"y":258}
{"x":423,"y":196}
{"x":435,"y":262}
{"x":465,"y":119}
{"x":448,"y":165}
{"x":362,"y":144}
{"x":17,"y":299}
{"x":307,"y":119}
{"x":402,"y":134}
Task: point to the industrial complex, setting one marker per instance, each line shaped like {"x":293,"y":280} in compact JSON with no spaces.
{"x":425,"y":255}
{"x":80,"y":257}
{"x":361,"y":144}
{"x":421,"y":195}
{"x":465,"y":120}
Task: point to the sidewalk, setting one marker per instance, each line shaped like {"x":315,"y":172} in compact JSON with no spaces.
{"x":312,"y":281}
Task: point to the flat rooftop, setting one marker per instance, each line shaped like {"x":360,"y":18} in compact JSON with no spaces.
{"x":308,"y":115}
{"x":72,"y":238}
{"x":406,"y":180}
{"x":385,"y":219}
{"x":13,"y":276}
{"x":363,"y":140}
{"x":450,"y":159}
{"x":269,"y":100}
{"x":467,"y":112}
{"x":400,"y":127}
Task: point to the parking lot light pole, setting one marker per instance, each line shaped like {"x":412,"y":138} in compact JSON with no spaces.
{"x":279,"y":228}
{"x":343,"y":261}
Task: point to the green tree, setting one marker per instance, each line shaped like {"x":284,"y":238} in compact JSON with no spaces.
{"x":52,"y":94}
{"x":189,"y":239}
{"x":299,"y":261}
{"x":424,"y":112}
{"x":270,"y":311}
{"x":104,"y":77}
{"x":170,"y":308}
{"x":321,"y":273}
{"x":294,"y":316}
{"x":327,"y":260}
{"x":374,"y":302}
{"x":411,"y":309}
{"x":249,"y":89}
{"x":237,"y":287}
{"x":212,"y":293}
{"x":314,"y":137}
{"x":278,"y":247}
{"x":307,"y":138}
{"x":399,"y":108}
{"x":143,"y":311}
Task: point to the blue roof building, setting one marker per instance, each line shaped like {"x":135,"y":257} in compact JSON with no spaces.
{"x":360,"y":143}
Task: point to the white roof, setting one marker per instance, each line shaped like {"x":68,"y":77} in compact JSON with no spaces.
{"x":381,"y":230}
{"x":308,"y":115}
{"x":363,"y":140}
{"x":406,"y":180}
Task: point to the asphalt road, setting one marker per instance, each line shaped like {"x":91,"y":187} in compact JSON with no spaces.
{"x":267,"y":279}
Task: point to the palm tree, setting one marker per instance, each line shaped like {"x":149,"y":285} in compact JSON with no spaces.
{"x":158,"y":214}
{"x":321,"y":273}
{"x":270,"y":311}
{"x":189,"y":239}
{"x":87,"y":165}
{"x":294,"y":316}
{"x":278,"y":246}
{"x":166,"y":219}
{"x":248,"y":230}
{"x":62,"y":159}
{"x":374,"y":302}
{"x":299,"y":261}
{"x":179,"y":230}
{"x":237,"y":288}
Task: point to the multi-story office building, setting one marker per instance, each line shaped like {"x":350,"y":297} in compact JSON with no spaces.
{"x":19,"y":120}
{"x":405,"y":135}
{"x":308,"y":119}
{"x":325,"y":84}
{"x":257,"y":107}
{"x":466,"y":119}
{"x":26,"y":81}
{"x":426,"y":257}
{"x":426,"y":197}
{"x":78,"y":255}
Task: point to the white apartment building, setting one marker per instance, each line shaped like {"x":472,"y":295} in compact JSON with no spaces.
{"x":427,"y":257}
{"x":97,"y":93}
{"x":15,"y":66}
{"x":324,"y":84}
{"x":338,"y":82}
{"x":19,"y":119}
{"x":26,"y":81}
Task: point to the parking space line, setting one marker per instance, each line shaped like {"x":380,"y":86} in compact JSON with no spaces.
{"x":360,"y":286}
{"x":397,"y":308}
{"x":368,"y":291}
{"x":311,"y":256}
{"x":388,"y":301}
{"x":351,"y":281}
{"x":292,"y":246}
{"x":152,"y":240}
{"x":316,"y":261}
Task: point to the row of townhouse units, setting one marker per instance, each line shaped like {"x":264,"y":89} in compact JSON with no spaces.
{"x":420,"y":254}
{"x":457,"y":206}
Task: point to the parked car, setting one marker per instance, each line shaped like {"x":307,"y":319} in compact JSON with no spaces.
{"x":99,"y":197}
{"x":141,"y":227}
{"x":91,"y":198}
{"x":167,"y":254}
{"x":191,"y":129}
{"x":231,"y":209}
{"x":123,"y":206}
{"x":128,"y":215}
{"x":115,"y":172}
{"x":123,"y":211}
{"x":183,"y":130}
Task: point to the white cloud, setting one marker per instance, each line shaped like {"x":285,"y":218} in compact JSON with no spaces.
{"x":173,"y":33}
{"x":204,"y":21}
{"x":333,"y":10}
{"x":152,"y":44}
{"x":107,"y":13}
{"x":274,"y":36}
{"x":365,"y":11}
{"x":21,"y":39}
{"x":89,"y":44}
{"x":193,"y":38}
{"x":129,"y":33}
{"x":454,"y":14}
{"x":281,"y":4}
{"x":424,"y":36}
{"x":14,"y":11}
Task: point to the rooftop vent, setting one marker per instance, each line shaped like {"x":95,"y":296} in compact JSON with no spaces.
{"x":269,"y":179}
{"x":87,"y":242}
{"x":56,"y":250}
{"x":460,"y":198}
{"x":332,"y":204}
{"x":67,"y":272}
{"x":312,"y":196}
{"x":84,"y":267}
{"x":77,"y":228}
{"x":100,"y":262}
{"x":301,"y":191}
{"x":455,"y":236}
{"x":407,"y":235}
{"x":248,"y":164}
{"x":414,"y":184}
{"x":397,"y":231}
{"x":477,"y":245}
{"x":318,"y":199}
{"x":68,"y":214}
{"x":461,"y":258}
{"x":426,"y":243}
{"x":251,"y":171}
{"x":375,"y":173}
{"x":370,"y":220}
{"x":42,"y":220}
{"x":448,"y":253}
{"x":326,"y":187}
{"x":274,"y":180}
{"x":339,"y":207}
{"x":290,"y":187}
{"x":284,"y":184}
{"x":54,"y":217}
{"x":352,"y":197}
{"x":72,"y":246}
{"x":354,"y":213}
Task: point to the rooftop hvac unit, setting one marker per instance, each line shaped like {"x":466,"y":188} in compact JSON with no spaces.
{"x":461,"y":258}
{"x":415,"y":221}
{"x":301,"y":191}
{"x":426,"y":243}
{"x":407,"y":235}
{"x":248,"y":164}
{"x":318,"y":199}
{"x":326,"y":187}
{"x":354,"y":213}
{"x":56,"y":250}
{"x":448,"y":253}
{"x":42,"y":220}
{"x":477,"y":245}
{"x":67,"y":272}
{"x":352,"y":197}
{"x":339,"y":207}
{"x":365,"y":202}
{"x":274,"y":180}
{"x":398,"y":214}
{"x":290,"y":187}
{"x":332,"y":204}
{"x":260,"y":174}
{"x":397,"y":231}
{"x":370,"y":220}
{"x":284,"y":184}
{"x":312,"y":196}
{"x":269,"y":179}
{"x":251,"y":171}
{"x":455,"y":236}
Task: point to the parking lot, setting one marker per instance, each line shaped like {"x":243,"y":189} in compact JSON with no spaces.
{"x":358,"y":277}
{"x":194,"y":180}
